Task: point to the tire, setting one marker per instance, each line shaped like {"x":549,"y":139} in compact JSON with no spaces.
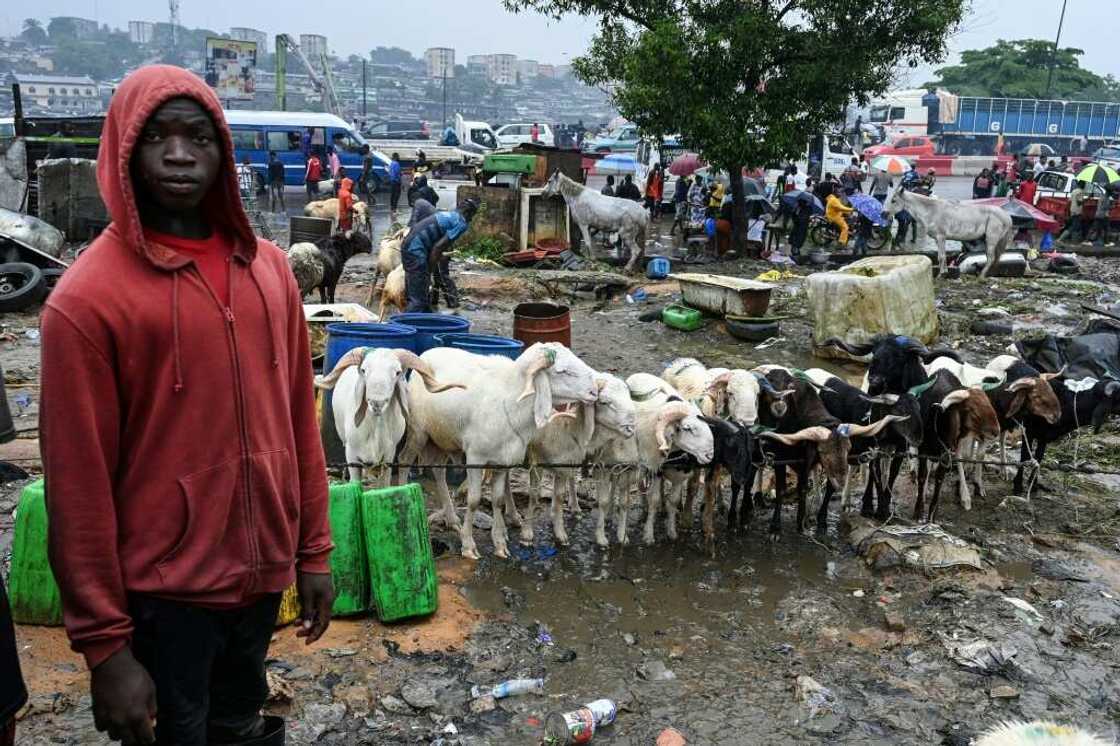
{"x":21,"y":286}
{"x":752,"y":332}
{"x":820,"y":234}
{"x":880,"y":237}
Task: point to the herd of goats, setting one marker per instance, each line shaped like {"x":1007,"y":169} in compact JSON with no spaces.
{"x":549,"y":410}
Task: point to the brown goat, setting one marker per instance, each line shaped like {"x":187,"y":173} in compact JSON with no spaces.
{"x":978,"y":422}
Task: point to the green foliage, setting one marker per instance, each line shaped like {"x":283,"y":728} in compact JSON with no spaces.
{"x":61,"y":28}
{"x":33,"y":32}
{"x":391,"y":56}
{"x":482,"y":247}
{"x":747,"y":83}
{"x":1019,"y":69}
{"x":103,"y":58}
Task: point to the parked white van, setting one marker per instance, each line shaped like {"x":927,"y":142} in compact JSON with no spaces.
{"x":512,"y":135}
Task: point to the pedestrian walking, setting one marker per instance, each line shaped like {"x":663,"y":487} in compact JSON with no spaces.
{"x":629,"y":190}
{"x":424,"y":247}
{"x":1102,"y":220}
{"x":696,"y":202}
{"x":680,"y":206}
{"x":800,"y":228}
{"x":187,"y":483}
{"x":906,"y":222}
{"x":365,"y":177}
{"x":275,"y":182}
{"x":313,"y":175}
{"x":1027,"y":190}
{"x":1075,"y":228}
{"x":982,"y":184}
{"x":394,"y":182}
{"x":852,"y":178}
{"x":881,"y":185}
{"x":798,"y":179}
{"x":655,"y":185}
{"x":608,"y":188}
{"x":345,"y":202}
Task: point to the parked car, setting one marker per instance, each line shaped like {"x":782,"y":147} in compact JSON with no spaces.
{"x":1109,"y":156}
{"x":513,"y":135}
{"x":623,"y":139}
{"x":399,"y":129}
{"x":911,"y":146}
{"x":1060,"y":184}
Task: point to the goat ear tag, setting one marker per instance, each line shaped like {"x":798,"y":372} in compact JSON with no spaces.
{"x":844,"y":430}
{"x":550,"y":355}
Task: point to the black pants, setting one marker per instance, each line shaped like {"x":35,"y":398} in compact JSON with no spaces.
{"x":207,"y":665}
{"x":1074,"y":228}
{"x":442,"y":282}
{"x":414,"y":257}
{"x":394,"y":195}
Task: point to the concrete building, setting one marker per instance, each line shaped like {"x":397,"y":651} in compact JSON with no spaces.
{"x":84,"y":28}
{"x":479,"y":64}
{"x":313,"y":45}
{"x":440,"y":62}
{"x":58,"y":93}
{"x":528,"y":69}
{"x":242,"y":33}
{"x":502,"y":69}
{"x":544,"y":70}
{"x":141,"y":32}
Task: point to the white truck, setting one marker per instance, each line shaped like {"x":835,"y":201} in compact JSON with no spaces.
{"x":476,"y":139}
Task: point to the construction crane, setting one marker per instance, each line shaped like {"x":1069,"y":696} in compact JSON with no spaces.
{"x":323,"y":84}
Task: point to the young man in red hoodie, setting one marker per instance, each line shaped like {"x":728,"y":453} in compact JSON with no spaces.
{"x":185,"y":478}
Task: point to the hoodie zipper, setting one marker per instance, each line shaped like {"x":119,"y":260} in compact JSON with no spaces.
{"x":243,"y":432}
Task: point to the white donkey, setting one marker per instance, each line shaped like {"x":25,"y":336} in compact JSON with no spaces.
{"x":959,"y":221}
{"x":611,"y":214}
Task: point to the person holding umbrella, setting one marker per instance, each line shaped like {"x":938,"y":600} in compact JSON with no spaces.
{"x":680,"y":206}
{"x":1101,"y":220}
{"x":1076,"y":203}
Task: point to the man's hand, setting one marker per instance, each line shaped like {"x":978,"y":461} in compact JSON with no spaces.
{"x":316,"y":597}
{"x":124,"y":699}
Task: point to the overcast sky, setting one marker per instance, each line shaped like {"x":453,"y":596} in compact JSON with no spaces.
{"x":482,"y":26}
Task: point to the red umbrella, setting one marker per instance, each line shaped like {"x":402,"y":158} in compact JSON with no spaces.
{"x":686,"y":164}
{"x":1021,"y":212}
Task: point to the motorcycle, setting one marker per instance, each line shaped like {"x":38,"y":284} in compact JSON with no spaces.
{"x":824,"y":233}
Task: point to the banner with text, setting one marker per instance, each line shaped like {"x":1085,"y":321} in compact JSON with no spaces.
{"x":231,"y":68}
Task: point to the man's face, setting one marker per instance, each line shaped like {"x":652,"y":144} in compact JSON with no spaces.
{"x":178,"y":156}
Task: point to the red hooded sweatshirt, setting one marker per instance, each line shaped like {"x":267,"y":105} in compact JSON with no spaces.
{"x":179,"y":436}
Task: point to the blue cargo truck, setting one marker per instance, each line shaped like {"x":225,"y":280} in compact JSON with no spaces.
{"x":971,"y":125}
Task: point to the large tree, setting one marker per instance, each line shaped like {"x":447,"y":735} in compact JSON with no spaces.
{"x":747,"y":82}
{"x":33,"y":32}
{"x":391,"y":56}
{"x":1021,"y":69}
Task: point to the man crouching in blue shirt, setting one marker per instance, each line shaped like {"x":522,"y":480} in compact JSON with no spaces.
{"x":424,"y":247}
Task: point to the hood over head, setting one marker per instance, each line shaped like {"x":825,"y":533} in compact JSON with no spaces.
{"x":134,"y":101}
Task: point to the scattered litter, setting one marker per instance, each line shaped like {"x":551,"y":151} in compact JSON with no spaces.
{"x":857,"y":593}
{"x":579,"y":726}
{"x":993,"y":311}
{"x":773,"y":275}
{"x":451,"y":730}
{"x":1108,"y":595}
{"x":511,"y":688}
{"x":280,"y":690}
{"x":655,"y":670}
{"x":1003,"y":692}
{"x":818,"y":697}
{"x":340,"y":652}
{"x":22,"y":400}
{"x":980,"y":655}
{"x":1022,"y":605}
{"x":32,"y":334}
{"x":924,"y":547}
{"x":544,"y":637}
{"x":1058,"y":604}
{"x":769,"y":343}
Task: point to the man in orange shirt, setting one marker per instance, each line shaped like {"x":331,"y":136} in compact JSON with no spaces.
{"x":345,"y":202}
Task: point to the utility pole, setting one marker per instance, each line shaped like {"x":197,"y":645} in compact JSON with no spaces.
{"x":445,"y":95}
{"x":364,"y":67}
{"x":1054,"y":53}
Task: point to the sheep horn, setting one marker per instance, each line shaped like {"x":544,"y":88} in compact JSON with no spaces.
{"x":816,"y":434}
{"x":570,"y":414}
{"x":858,"y":350}
{"x":670,"y":413}
{"x":1052,"y":376}
{"x":351,"y":358}
{"x":1021,"y":385}
{"x":1111,"y":388}
{"x":888,"y":399}
{"x":870,"y":431}
{"x":719,"y":382}
{"x":543,"y":361}
{"x":953,"y":397}
{"x":412,"y":360}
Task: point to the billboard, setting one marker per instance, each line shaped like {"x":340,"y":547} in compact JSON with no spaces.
{"x":231,"y":68}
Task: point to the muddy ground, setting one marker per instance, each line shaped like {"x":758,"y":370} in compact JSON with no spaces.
{"x":794,"y":641}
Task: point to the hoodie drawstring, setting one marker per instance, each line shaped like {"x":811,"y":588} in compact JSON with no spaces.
{"x":267,"y":316}
{"x":175,"y":332}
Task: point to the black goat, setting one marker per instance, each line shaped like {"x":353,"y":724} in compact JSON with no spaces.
{"x":896,"y":361}
{"x":846,"y":402}
{"x":335,"y":252}
{"x":809,"y":435}
{"x":1090,"y":407}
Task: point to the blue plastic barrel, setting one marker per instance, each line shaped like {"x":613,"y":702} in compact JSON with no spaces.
{"x":658,"y":268}
{"x":428,"y":325}
{"x":341,"y":338}
{"x":482,"y":344}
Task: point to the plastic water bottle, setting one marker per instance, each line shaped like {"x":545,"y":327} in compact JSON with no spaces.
{"x":510,"y":688}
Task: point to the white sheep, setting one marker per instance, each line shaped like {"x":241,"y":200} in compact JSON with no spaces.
{"x":306,"y":262}
{"x":739,"y":391}
{"x":395,"y":292}
{"x":371,"y":405}
{"x":493,"y":422}
{"x":1038,"y":733}
{"x":328,"y":208}
{"x":967,"y":374}
{"x":570,"y":440}
{"x":666,"y":422}
{"x":693,"y":381}
{"x":388,"y":259}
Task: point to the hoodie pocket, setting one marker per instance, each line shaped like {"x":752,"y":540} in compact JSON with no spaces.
{"x":212,"y":546}
{"x":275,"y":507}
